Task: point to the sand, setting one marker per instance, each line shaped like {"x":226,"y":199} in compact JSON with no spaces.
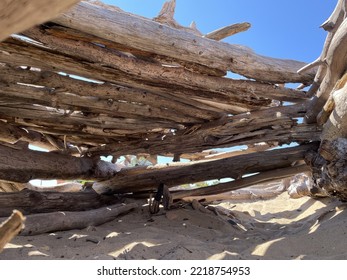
{"x":278,"y":228}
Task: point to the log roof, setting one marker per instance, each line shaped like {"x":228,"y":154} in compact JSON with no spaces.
{"x":97,"y":81}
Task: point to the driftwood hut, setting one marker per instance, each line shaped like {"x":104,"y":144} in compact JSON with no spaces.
{"x":95,"y":81}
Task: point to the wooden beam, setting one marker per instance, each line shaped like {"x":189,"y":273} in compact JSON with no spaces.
{"x":60,"y":221}
{"x":260,"y":178}
{"x":18,"y":15}
{"x":24,"y":165}
{"x":32,"y":202}
{"x":227,"y":31}
{"x":148,"y":178}
{"x":147,"y":35}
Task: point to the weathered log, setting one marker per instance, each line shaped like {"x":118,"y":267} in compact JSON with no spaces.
{"x":336,"y":126}
{"x":60,"y":221}
{"x":148,"y":178}
{"x":262,"y":177}
{"x":227,"y":31}
{"x":269,"y":125}
{"x":10,"y":228}
{"x":154,"y":37}
{"x":24,"y":165}
{"x":31,"y":202}
{"x":329,"y":168}
{"x":336,"y":65}
{"x":18,"y":15}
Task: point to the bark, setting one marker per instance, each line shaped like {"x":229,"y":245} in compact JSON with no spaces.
{"x":151,"y":36}
{"x":59,"y":221}
{"x":24,"y":165}
{"x":10,"y":228}
{"x":18,"y":15}
{"x":148,"y":178}
{"x":31,"y":202}
{"x":329,"y":168}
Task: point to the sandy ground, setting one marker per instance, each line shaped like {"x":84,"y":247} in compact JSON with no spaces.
{"x":279,"y":228}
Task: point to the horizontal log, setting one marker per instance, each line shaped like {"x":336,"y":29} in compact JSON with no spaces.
{"x":32,"y":202}
{"x":18,"y":15}
{"x":147,"y":35}
{"x":148,"y":178}
{"x":59,"y":221}
{"x":260,"y":178}
{"x":24,"y":165}
{"x":273,"y":124}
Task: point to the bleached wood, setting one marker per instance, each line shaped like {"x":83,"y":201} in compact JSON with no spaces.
{"x":23,"y":165}
{"x":10,"y":228}
{"x":227,"y":31}
{"x":60,"y":221}
{"x":151,"y":36}
{"x":263,"y":177}
{"x":18,"y":15}
{"x":148,"y":178}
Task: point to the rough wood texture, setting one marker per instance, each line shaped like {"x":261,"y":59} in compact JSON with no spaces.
{"x":59,"y":221}
{"x":18,"y":15}
{"x":10,"y":228}
{"x":148,"y":178}
{"x":23,"y":165}
{"x":227,"y":31}
{"x":30,"y":202}
{"x":164,"y":40}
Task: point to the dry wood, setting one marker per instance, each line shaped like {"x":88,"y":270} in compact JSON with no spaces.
{"x":24,"y":165}
{"x":333,"y":55}
{"x":18,"y":15}
{"x":148,"y":178}
{"x":227,"y":31}
{"x":274,"y":124}
{"x":60,"y":221}
{"x":151,"y":36}
{"x":336,"y":126}
{"x":10,"y":228}
{"x":262,"y":177}
{"x":31,"y":202}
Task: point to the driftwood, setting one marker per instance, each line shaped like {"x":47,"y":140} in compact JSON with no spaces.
{"x":151,"y":36}
{"x":30,"y":202}
{"x":23,"y":165}
{"x":227,"y":31}
{"x":18,"y":15}
{"x":10,"y":228}
{"x":59,"y":221}
{"x":148,"y":178}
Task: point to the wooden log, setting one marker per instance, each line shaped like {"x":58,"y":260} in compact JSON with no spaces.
{"x":227,"y":31}
{"x":10,"y":228}
{"x":263,"y":177}
{"x":132,"y":71}
{"x":31,"y":202}
{"x":18,"y":15}
{"x":24,"y":165}
{"x":148,"y":178}
{"x":336,"y":126}
{"x":59,"y":221}
{"x":335,"y":63}
{"x":269,"y":125}
{"x":151,"y":36}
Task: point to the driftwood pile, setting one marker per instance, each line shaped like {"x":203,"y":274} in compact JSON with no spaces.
{"x":96,"y":81}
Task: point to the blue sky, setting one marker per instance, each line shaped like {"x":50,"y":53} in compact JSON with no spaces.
{"x":282,"y":29}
